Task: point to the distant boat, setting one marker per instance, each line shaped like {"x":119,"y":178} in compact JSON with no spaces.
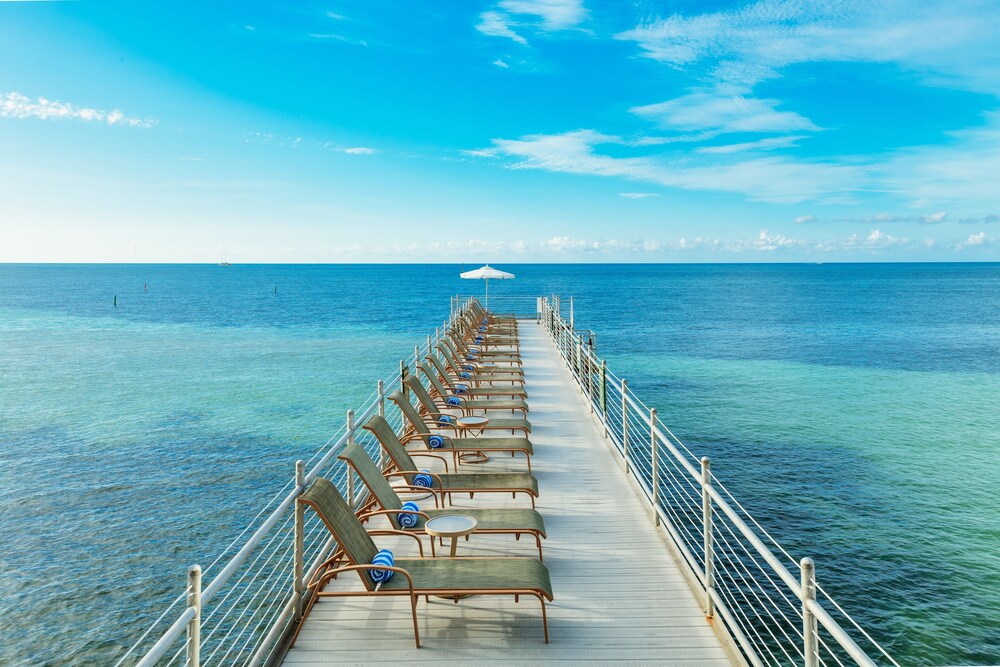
{"x":223,"y":261}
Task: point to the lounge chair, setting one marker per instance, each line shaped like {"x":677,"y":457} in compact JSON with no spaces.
{"x":505,"y":521}
{"x":473,"y":388}
{"x":500,"y":373}
{"x":470,"y":405}
{"x":433,"y":412}
{"x":413,"y":577}
{"x":447,"y":483}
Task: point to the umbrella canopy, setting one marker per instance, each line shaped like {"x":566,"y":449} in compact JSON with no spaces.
{"x":487,"y":273}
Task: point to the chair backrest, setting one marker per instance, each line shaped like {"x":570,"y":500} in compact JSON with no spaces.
{"x":339,"y":519}
{"x":449,"y":357}
{"x":409,"y":411}
{"x":442,"y":373}
{"x":420,"y":392}
{"x":369,"y":473}
{"x":435,"y":382}
{"x":381,"y":429}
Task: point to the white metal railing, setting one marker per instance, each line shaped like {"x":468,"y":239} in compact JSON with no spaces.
{"x":741,"y":573}
{"x":258,"y":587}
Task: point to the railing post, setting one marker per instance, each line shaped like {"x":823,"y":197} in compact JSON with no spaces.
{"x":809,"y":628}
{"x":625,"y":423}
{"x":590,"y":378}
{"x":381,"y":398}
{"x":652,"y":459}
{"x":604,"y":395}
{"x":578,"y":363}
{"x":350,"y":470}
{"x":706,"y":513}
{"x":298,"y":586}
{"x":572,"y":319}
{"x":403,"y":369}
{"x":194,"y":625}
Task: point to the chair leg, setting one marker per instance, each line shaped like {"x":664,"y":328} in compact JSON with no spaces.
{"x":413,"y":611}
{"x":538,"y":541}
{"x":545,"y":620}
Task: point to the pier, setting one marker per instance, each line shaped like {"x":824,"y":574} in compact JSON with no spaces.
{"x":618,"y":593}
{"x":651,"y":559}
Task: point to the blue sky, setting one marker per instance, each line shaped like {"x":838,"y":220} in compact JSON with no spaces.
{"x":511,"y":130}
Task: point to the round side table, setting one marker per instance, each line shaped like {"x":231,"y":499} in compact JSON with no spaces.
{"x":453,"y":526}
{"x":474,"y":425}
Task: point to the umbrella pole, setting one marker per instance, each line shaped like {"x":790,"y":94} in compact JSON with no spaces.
{"x":487,"y":294}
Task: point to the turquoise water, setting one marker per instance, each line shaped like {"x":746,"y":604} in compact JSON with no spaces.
{"x":853,"y":408}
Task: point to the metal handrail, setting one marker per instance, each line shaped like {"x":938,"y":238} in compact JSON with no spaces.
{"x":188,"y":622}
{"x":640,"y":453}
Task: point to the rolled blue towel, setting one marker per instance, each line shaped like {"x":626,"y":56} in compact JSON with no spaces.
{"x":454,"y":400}
{"x":461,"y":389}
{"x":479,"y":339}
{"x":465,"y":375}
{"x":383,"y":557}
{"x":423,"y":479}
{"x":468,"y":367}
{"x":445,"y":419}
{"x":407,"y":519}
{"x":435,"y":441}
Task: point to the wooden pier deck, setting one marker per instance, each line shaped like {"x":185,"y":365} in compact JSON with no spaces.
{"x":619,"y":596}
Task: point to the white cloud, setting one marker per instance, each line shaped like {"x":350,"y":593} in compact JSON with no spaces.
{"x":979,"y":239}
{"x":760,"y":145}
{"x":803,"y":219}
{"x":720,"y":113}
{"x":773,"y":179}
{"x":555,"y":14}
{"x":495,"y":24}
{"x":950,"y":43}
{"x":15,"y":105}
{"x":637,"y":195}
{"x":986,"y":219}
{"x":501,"y":64}
{"x":359,"y":150}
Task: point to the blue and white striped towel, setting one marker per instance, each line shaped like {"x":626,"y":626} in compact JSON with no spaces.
{"x":383,"y":557}
{"x":435,"y":441}
{"x":423,"y":479}
{"x":461,"y":388}
{"x":454,"y":400}
{"x":465,"y":376}
{"x":406,"y":519}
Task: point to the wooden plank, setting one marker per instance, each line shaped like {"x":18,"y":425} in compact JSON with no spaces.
{"x":618,"y":594}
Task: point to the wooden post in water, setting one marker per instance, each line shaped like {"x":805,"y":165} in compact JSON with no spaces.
{"x":116,"y":300}
{"x":193,"y":648}
{"x":298,"y":585}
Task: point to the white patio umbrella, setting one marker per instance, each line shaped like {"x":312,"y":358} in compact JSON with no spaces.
{"x":487,"y":273}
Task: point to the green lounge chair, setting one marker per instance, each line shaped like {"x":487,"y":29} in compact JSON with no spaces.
{"x":505,"y":521}
{"x":476,"y":369}
{"x":414,"y":577}
{"x":448,"y":483}
{"x":474,"y":389}
{"x":470,"y":405}
{"x":434,"y":413}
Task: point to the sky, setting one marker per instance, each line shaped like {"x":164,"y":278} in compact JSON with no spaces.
{"x":501,"y":131}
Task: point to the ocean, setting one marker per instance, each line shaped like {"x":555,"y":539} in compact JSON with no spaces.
{"x":147,"y":411}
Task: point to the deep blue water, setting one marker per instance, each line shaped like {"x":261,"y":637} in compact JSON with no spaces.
{"x":853,"y":408}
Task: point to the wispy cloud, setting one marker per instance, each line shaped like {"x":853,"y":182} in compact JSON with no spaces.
{"x":16,"y":105}
{"x":946,"y":42}
{"x":536,"y":15}
{"x":500,"y":63}
{"x":879,"y":218}
{"x":986,"y":219}
{"x":771,"y":143}
{"x":775,"y":179}
{"x":637,"y":195}
{"x":554,"y":14}
{"x":721,"y":113}
{"x":495,"y":24}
